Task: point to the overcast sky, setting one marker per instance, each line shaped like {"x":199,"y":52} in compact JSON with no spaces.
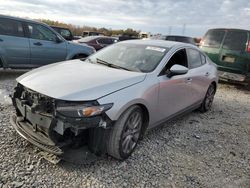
{"x":191,"y":17}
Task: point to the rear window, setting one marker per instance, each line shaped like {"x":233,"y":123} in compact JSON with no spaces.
{"x":235,"y":40}
{"x":213,"y":38}
{"x":11,"y":27}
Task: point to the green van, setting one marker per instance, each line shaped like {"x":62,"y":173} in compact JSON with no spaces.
{"x":230,"y":50}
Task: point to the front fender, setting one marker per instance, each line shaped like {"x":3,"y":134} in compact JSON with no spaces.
{"x":144,"y":93}
{"x":76,"y":49}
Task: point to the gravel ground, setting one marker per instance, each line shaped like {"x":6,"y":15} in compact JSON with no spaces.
{"x":197,"y":150}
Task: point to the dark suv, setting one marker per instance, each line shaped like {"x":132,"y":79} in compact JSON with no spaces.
{"x":27,"y":44}
{"x":64,"y":32}
{"x":230,"y":50}
{"x":177,"y":38}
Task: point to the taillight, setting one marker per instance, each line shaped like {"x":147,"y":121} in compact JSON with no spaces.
{"x":248,"y":46}
{"x":201,"y":42}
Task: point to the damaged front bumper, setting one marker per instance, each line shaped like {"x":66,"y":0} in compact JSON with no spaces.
{"x":36,"y":121}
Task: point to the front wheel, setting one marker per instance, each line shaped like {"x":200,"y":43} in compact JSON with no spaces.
{"x":125,"y":134}
{"x":208,"y":100}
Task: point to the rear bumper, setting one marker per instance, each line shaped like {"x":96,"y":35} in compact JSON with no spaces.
{"x":228,"y":76}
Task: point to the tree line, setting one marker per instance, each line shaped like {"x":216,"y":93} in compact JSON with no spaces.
{"x":78,"y":30}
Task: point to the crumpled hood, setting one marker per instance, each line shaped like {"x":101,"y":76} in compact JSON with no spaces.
{"x":78,"y":81}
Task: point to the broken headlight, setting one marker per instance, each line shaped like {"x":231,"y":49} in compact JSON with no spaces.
{"x":87,"y":110}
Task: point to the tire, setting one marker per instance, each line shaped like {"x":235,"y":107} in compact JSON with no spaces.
{"x":208,"y":100}
{"x":125,"y":134}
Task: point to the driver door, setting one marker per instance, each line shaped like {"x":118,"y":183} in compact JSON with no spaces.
{"x":174,"y":92}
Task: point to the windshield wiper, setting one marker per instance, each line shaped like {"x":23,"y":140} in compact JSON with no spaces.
{"x":110,"y":64}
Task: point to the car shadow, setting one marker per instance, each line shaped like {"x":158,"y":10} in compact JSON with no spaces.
{"x":245,"y":88}
{"x":11,"y":74}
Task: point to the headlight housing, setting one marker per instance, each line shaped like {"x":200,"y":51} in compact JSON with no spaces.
{"x":84,"y":110}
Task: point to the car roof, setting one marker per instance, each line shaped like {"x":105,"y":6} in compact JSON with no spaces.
{"x":159,"y":43}
{"x":89,"y":38}
{"x":22,"y":19}
{"x":53,"y":26}
{"x":178,"y":36}
{"x":229,"y":29}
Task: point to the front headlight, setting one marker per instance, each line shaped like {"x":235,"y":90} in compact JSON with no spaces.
{"x":83,"y":111}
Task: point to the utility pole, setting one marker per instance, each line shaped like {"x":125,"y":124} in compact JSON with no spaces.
{"x":169,"y":30}
{"x":183,"y":29}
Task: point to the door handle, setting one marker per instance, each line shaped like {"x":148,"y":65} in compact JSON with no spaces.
{"x":38,"y":43}
{"x":189,"y":80}
{"x":1,"y":40}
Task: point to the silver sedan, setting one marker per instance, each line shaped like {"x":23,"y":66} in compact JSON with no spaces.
{"x":109,"y":100}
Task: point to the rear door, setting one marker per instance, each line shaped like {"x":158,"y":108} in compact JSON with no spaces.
{"x":199,"y":71}
{"x":14,"y":46}
{"x":233,"y":54}
{"x":44,"y":46}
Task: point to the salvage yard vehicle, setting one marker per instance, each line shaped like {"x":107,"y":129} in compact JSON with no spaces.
{"x":28,"y":44}
{"x":64,"y":32}
{"x":177,"y":38}
{"x":98,"y":42}
{"x":230,"y":50}
{"x":110,"y":99}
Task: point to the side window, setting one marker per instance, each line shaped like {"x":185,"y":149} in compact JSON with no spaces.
{"x":104,"y":41}
{"x":179,"y":58}
{"x":11,"y":27}
{"x":194,"y":58}
{"x":203,"y":59}
{"x":40,"y":32}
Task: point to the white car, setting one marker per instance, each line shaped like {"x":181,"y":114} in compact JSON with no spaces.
{"x":109,"y":100}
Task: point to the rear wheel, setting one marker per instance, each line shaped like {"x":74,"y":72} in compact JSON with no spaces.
{"x":208,"y":101}
{"x":125,"y":134}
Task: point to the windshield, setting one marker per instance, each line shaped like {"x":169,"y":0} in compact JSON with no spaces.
{"x":133,"y":57}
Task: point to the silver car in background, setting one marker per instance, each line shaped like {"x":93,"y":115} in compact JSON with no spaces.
{"x":108,"y":101}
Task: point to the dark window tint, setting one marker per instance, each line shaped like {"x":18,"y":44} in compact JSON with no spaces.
{"x":180,"y":39}
{"x":194,"y":58}
{"x":105,"y":41}
{"x":171,"y":38}
{"x":213,"y":38}
{"x":11,"y":27}
{"x":235,"y":40}
{"x":40,"y":32}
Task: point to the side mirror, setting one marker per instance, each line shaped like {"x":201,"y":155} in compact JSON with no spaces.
{"x":58,"y":40}
{"x":177,"y":70}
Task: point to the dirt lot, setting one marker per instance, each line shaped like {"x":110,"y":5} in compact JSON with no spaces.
{"x":197,"y":150}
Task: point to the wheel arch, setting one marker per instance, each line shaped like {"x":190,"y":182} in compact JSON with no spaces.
{"x":215,"y":85}
{"x":83,"y":55}
{"x":145,"y":111}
